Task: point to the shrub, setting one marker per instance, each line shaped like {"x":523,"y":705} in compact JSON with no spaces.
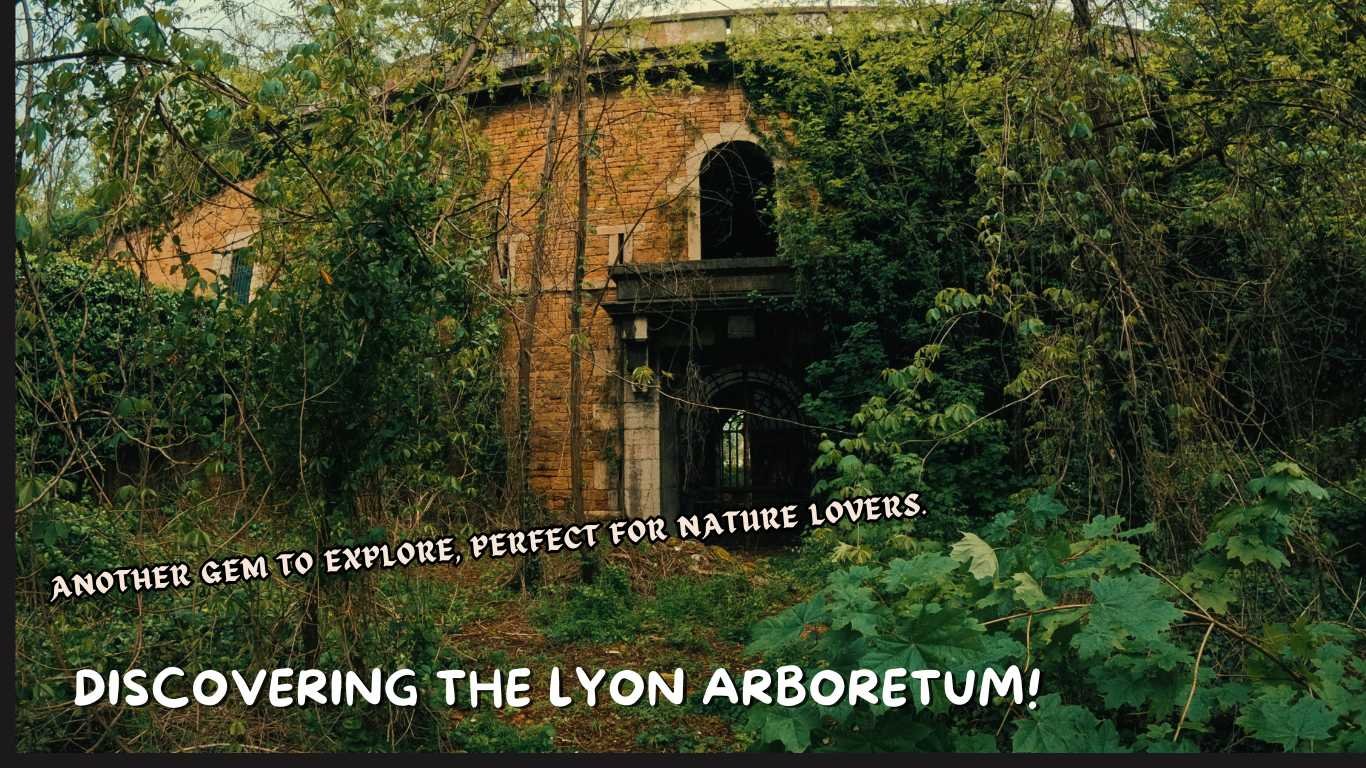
{"x":604,"y":611}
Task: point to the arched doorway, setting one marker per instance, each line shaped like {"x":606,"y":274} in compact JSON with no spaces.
{"x":735,"y":186}
{"x":745,"y":450}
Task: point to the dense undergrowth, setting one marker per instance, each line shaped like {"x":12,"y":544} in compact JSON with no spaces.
{"x":1097,"y":300}
{"x":1111,"y":278}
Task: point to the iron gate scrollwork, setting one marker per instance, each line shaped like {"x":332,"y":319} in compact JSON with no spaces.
{"x":741,"y":443}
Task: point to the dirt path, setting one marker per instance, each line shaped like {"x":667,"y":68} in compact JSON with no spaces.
{"x":504,"y":634}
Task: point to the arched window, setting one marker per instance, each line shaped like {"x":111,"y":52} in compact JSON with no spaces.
{"x":735,"y":188}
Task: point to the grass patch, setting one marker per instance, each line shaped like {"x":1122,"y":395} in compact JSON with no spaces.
{"x":486,"y":733}
{"x":605,"y":611}
{"x":691,"y":610}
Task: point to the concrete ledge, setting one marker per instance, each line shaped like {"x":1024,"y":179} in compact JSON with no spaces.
{"x":716,"y":284}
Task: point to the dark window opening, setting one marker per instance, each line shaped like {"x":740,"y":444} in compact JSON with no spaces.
{"x":239,"y":280}
{"x":735,"y":189}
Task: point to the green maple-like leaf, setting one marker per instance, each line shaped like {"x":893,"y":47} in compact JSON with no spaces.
{"x":1127,"y":613}
{"x":921,"y":569}
{"x":1058,"y":727}
{"x":1207,"y":582}
{"x":978,"y":554}
{"x":1274,"y":720}
{"x":855,"y":576}
{"x":862,"y":622}
{"x":1028,"y":591}
{"x":789,"y":726}
{"x":929,"y":637}
{"x":1045,"y":507}
{"x":1284,"y":480}
{"x":1102,"y":527}
{"x":1094,"y":558}
{"x":778,"y":632}
{"x":854,"y":607}
{"x":1251,"y":549}
{"x":1158,"y":677}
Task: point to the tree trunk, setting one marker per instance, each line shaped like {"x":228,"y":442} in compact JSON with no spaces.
{"x":588,"y":565}
{"x":528,"y":576}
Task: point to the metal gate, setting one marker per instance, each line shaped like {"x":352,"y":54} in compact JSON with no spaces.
{"x":746,"y":449}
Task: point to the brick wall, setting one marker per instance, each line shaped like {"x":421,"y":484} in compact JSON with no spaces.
{"x":638,"y":184}
{"x":220,"y":224}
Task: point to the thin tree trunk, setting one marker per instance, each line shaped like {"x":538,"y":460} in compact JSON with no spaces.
{"x":528,"y":575}
{"x":457,"y":80}
{"x":588,"y":562}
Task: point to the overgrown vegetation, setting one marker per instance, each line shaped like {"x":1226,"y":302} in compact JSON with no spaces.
{"x":688,"y":612}
{"x":1092,"y":275}
{"x":1109,"y":259}
{"x":355,"y":394}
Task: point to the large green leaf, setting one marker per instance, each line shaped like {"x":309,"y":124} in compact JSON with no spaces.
{"x":1028,"y":592}
{"x":1058,"y":727}
{"x":927,"y":637}
{"x":789,"y":726}
{"x":921,"y":569}
{"x":1274,"y":720}
{"x":1127,"y":611}
{"x":778,"y":632}
{"x":853,"y":607}
{"x":978,"y":554}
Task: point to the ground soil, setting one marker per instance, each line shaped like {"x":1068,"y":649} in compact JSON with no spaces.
{"x":505,"y":636}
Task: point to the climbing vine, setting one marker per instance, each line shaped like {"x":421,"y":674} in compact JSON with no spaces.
{"x":1104,"y":256}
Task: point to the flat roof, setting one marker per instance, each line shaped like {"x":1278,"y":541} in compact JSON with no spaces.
{"x":656,"y":33}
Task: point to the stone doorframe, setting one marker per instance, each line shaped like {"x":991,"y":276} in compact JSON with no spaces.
{"x":649,"y":471}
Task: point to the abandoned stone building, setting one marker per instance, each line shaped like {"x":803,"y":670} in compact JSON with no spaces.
{"x":692,"y":364}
